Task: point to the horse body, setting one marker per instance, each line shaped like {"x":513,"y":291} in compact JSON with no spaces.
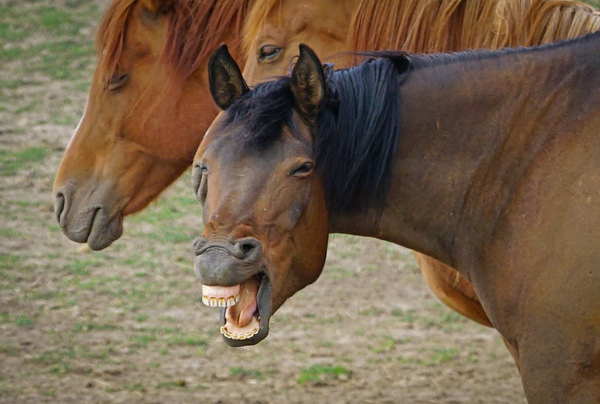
{"x":494,"y":172}
{"x":415,"y":26}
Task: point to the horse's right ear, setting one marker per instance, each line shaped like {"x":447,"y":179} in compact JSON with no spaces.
{"x":225,"y":78}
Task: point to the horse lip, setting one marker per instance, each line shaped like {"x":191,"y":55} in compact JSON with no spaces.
{"x":100,"y":238}
{"x":209,"y":247}
{"x":264,"y":299}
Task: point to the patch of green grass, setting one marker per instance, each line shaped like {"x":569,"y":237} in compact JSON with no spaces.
{"x":168,"y":319}
{"x":444,"y":318}
{"x":337,"y":272}
{"x":135,"y":387}
{"x":442,"y":355}
{"x":186,"y":340}
{"x":12,"y":161}
{"x":349,"y":254}
{"x":172,"y":385}
{"x":385,"y":346}
{"x":24,"y":321}
{"x":7,"y":232}
{"x":10,"y":350}
{"x":140,"y":318}
{"x":62,"y":119}
{"x":4,"y":317}
{"x":10,"y":261}
{"x":81,"y":266}
{"x":58,"y":360}
{"x":242,"y":372}
{"x":142,"y":341}
{"x":83,"y":86}
{"x":42,"y":294}
{"x":322,"y":373}
{"x":406,"y":317}
{"x":91,"y":326}
{"x":371,"y":312}
{"x":17,"y":82}
{"x":330,"y":320}
{"x":27,"y":203}
{"x":434,"y":358}
{"x":31,"y":107}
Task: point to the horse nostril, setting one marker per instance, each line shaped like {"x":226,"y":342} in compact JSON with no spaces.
{"x":250,"y":249}
{"x":59,"y":206}
{"x":197,"y":245}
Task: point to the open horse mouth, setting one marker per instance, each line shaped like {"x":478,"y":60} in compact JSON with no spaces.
{"x":246,"y":309}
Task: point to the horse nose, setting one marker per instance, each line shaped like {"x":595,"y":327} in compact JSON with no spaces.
{"x":61,"y":205}
{"x":247,"y":249}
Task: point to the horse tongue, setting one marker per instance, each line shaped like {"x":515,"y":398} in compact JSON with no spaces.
{"x":241,"y":315}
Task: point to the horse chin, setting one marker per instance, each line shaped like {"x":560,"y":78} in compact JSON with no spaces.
{"x":103,"y":230}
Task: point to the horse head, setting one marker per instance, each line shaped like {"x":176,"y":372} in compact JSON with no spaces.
{"x":143,"y":120}
{"x":265,"y":216}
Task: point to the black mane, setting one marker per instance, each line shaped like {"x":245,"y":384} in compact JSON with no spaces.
{"x":356,"y":135}
{"x":358,"y":129}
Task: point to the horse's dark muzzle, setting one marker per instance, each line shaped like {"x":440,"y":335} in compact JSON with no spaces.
{"x":226,"y":263}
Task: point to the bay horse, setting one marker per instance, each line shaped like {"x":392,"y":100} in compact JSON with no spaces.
{"x":274,"y":28}
{"x":486,"y":161}
{"x":145,"y":115}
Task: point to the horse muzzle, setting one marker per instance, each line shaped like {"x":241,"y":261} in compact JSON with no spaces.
{"x":93,"y":224}
{"x":234,"y":278}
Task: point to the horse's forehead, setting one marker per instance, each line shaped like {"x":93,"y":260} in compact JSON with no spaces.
{"x":234,"y":144}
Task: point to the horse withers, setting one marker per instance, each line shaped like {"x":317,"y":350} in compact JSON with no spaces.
{"x":486,"y":161}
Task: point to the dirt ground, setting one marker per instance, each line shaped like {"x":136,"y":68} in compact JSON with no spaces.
{"x":126,"y":325}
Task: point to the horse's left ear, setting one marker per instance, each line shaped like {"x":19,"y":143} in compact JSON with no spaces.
{"x":225,"y":78}
{"x":308,"y":84}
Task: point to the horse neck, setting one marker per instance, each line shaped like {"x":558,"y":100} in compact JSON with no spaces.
{"x":470,"y":130}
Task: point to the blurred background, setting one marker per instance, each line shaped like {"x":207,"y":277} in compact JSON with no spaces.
{"x":127,"y":324}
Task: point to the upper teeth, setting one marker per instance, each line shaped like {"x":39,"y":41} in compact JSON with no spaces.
{"x":220,"y":301}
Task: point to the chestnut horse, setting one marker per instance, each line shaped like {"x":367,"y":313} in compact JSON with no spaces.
{"x":274,"y":28}
{"x":486,"y":161}
{"x":145,"y":114}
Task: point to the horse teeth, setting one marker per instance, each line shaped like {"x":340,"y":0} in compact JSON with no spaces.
{"x":220,"y":301}
{"x":238,"y":337}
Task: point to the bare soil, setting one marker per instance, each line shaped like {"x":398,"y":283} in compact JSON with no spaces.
{"x":126,"y":325}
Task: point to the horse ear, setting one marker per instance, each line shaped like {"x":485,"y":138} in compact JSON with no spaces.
{"x":158,"y":7}
{"x":225,"y":78}
{"x":308,"y":84}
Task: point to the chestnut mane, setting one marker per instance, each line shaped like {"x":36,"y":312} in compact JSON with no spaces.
{"x":454,"y":25}
{"x":426,"y":26}
{"x":194,"y":31}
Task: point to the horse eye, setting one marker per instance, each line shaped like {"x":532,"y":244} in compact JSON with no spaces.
{"x":303,"y":170}
{"x":117,"y":81}
{"x":268,"y":53}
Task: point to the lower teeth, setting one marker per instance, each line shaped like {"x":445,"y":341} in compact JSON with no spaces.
{"x":238,"y":337}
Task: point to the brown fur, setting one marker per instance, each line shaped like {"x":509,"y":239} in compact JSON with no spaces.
{"x":195,"y":29}
{"x":255,"y":21}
